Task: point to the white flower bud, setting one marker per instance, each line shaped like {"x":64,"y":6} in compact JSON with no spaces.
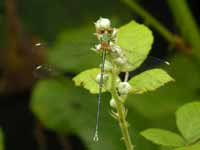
{"x":98,"y":47}
{"x":113,"y":103}
{"x":103,"y":23}
{"x":98,"y":77}
{"x":107,"y":66}
{"x":118,"y":81}
{"x":115,"y":48}
{"x":124,"y":88}
{"x":120,"y":60}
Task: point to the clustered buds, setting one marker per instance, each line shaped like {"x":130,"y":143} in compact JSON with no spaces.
{"x":124,"y":88}
{"x":102,"y":23}
{"x":107,"y":35}
{"x":113,"y":103}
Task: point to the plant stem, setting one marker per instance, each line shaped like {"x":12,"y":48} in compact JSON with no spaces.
{"x":152,"y":21}
{"x":186,"y":23}
{"x":121,"y":114}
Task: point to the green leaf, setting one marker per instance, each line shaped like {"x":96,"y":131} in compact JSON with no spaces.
{"x":188,"y":121}
{"x":163,"y":137}
{"x":192,"y":147}
{"x":65,"y":108}
{"x":149,"y":80}
{"x":136,"y":40}
{"x":169,"y":97}
{"x":72,"y":50}
{"x":1,"y":140}
{"x":87,"y":80}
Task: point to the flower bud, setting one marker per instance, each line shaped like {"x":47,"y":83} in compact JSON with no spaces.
{"x":120,"y":60}
{"x":103,"y":23}
{"x":98,"y":47}
{"x":113,"y":103}
{"x":108,"y":66}
{"x":98,"y":77}
{"x":124,"y":88}
{"x":118,"y":81}
{"x":115,"y":48}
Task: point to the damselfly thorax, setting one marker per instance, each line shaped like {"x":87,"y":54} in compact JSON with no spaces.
{"x":105,"y":36}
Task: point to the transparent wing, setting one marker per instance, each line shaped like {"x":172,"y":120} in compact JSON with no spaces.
{"x":79,"y":55}
{"x":72,"y":56}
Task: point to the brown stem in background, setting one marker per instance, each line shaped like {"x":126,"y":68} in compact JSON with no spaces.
{"x":20,"y":56}
{"x":173,"y":39}
{"x":64,"y":143}
{"x":40,"y":136}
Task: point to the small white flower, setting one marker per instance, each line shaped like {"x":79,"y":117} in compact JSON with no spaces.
{"x":118,"y":81}
{"x":120,"y":60}
{"x":124,"y":88}
{"x":113,"y":103}
{"x":115,"y":48}
{"x":98,"y":47}
{"x":108,"y":66}
{"x":103,"y":23}
{"x":98,"y":77}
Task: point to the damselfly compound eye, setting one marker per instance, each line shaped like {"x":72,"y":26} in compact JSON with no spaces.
{"x":124,"y":88}
{"x":103,"y":23}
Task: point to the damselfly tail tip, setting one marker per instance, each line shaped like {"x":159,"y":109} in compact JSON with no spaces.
{"x":96,"y":137}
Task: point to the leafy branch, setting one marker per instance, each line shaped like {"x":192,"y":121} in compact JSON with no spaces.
{"x":142,"y":38}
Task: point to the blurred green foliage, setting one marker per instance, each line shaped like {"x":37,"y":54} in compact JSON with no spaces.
{"x":187,"y":120}
{"x":66,"y":109}
{"x":1,"y":140}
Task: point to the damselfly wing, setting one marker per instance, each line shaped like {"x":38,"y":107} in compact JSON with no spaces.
{"x":52,"y":70}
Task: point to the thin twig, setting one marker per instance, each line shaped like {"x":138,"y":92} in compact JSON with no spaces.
{"x":173,"y":39}
{"x":186,"y":23}
{"x":126,"y":76}
{"x":40,"y":136}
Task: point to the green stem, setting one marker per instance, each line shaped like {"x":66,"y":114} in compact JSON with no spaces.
{"x":186,"y":23}
{"x":150,"y":19}
{"x":153,"y":22}
{"x":121,"y":114}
